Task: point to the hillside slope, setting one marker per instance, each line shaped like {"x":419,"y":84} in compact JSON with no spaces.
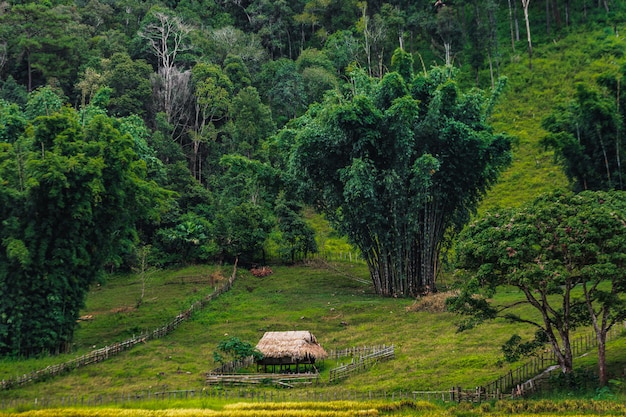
{"x":532,"y":94}
{"x":334,"y":304}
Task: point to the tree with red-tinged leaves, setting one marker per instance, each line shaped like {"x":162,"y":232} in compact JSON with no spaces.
{"x":564,"y":252}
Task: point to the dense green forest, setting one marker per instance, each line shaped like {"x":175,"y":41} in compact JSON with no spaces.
{"x":182,"y":132}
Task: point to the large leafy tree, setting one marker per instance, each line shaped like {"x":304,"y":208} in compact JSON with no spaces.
{"x":396,"y":164}
{"x":251,"y":122}
{"x":318,"y":74}
{"x":213,"y":94}
{"x":564,"y":252}
{"x":271,"y":22}
{"x":244,"y":207}
{"x":297,"y":238}
{"x":71,"y":193}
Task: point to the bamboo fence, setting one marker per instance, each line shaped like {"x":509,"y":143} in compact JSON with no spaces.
{"x":102,"y":354}
{"x":363,"y":362}
{"x":522,"y":380}
{"x":286,"y":380}
{"x":234,"y":366}
{"x":355,"y":351}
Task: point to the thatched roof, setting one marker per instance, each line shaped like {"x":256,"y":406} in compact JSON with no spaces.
{"x":296,"y":345}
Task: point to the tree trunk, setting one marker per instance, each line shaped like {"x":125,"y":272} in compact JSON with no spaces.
{"x":493,"y":81}
{"x":606,"y":5}
{"x":548,"y":17}
{"x":617,"y":141}
{"x":563,"y":353}
{"x":556,"y":14}
{"x":448,"y":51}
{"x":29,"y":69}
{"x":562,"y":350}
{"x":402,"y":273}
{"x":366,"y":35}
{"x":511,"y":27}
{"x":600,"y":322}
{"x":493,"y":50}
{"x":515,"y":20}
{"x":606,"y":161}
{"x":602,"y":371}
{"x":525,"y":4}
{"x":568,"y":358}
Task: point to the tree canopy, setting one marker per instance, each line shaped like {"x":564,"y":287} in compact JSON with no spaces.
{"x":396,"y":164}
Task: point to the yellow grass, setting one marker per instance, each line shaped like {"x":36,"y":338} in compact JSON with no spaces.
{"x":543,"y":408}
{"x":255,"y":412}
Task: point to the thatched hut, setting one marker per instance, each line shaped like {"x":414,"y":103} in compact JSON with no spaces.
{"x":289,"y":348}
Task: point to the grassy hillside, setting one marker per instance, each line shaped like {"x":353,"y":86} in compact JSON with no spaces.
{"x":532,"y":94}
{"x":333,"y":303}
{"x":339,"y":310}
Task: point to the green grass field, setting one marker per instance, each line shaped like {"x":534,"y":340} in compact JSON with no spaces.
{"x":333,"y":303}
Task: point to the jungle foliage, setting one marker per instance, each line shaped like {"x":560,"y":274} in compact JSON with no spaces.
{"x":74,"y":195}
{"x":170,"y":123}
